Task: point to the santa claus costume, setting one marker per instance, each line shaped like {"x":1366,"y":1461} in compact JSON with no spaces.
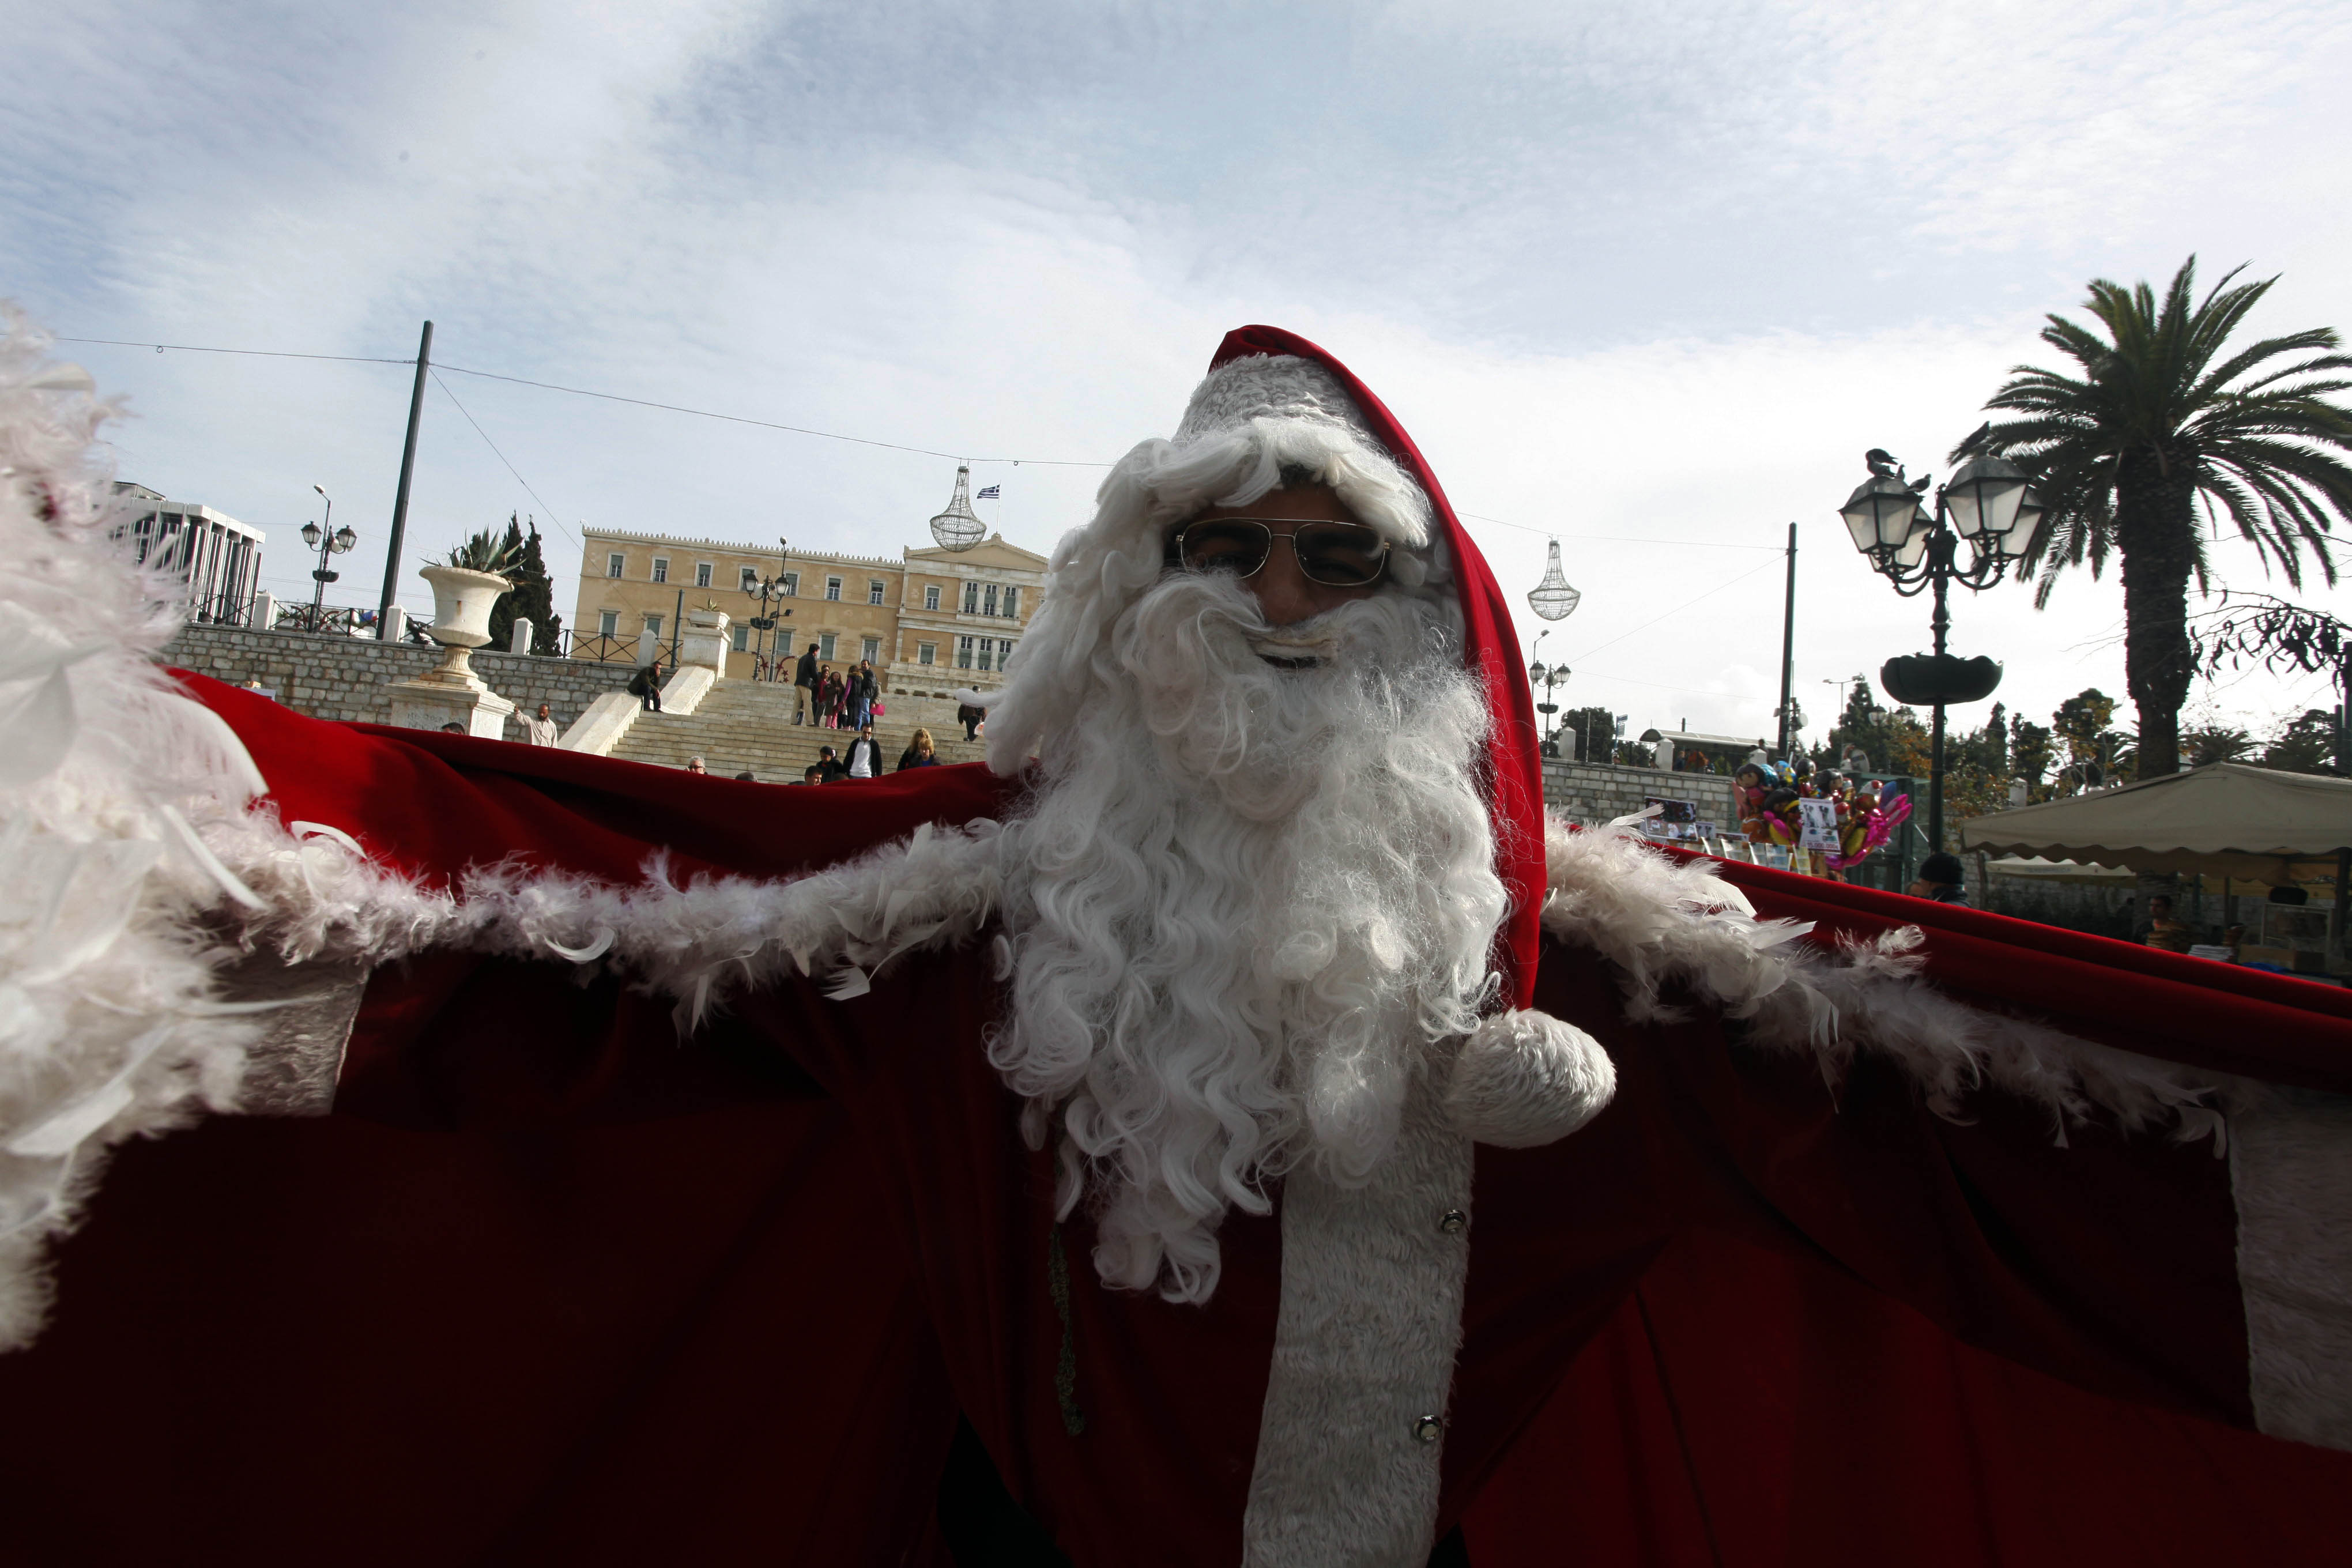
{"x":1235,"y":1109}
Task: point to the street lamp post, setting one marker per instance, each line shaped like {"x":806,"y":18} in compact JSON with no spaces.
{"x":327,"y":541}
{"x":1547,"y":676}
{"x":1986,"y":504}
{"x":768,"y":591}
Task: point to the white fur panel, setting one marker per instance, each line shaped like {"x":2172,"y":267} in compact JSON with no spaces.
{"x":2290,"y":1175}
{"x":1364,"y":1347}
{"x":1525,"y":1079}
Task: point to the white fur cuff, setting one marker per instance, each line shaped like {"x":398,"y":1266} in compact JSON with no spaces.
{"x":1526,"y":1078}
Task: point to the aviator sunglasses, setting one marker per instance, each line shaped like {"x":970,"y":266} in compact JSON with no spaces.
{"x":1335,"y":555}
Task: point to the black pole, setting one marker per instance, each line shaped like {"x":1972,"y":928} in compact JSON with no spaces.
{"x":1939,"y":563}
{"x":1789,"y":644}
{"x":676,"y":630}
{"x":400,"y":499}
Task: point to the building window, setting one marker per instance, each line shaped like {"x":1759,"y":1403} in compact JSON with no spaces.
{"x":792,"y":585}
{"x":927,"y":652}
{"x":874,"y":590}
{"x":833,"y":588}
{"x":871,"y":649}
{"x":1004,"y":654}
{"x":608,"y":624}
{"x":971,"y":598}
{"x":1011,"y":601}
{"x":824,"y":646}
{"x":661,"y":569}
{"x":653,"y":625}
{"x":930,"y":595}
{"x":747,"y":578}
{"x":988,"y":601}
{"x":702,"y":574}
{"x":987,"y":652}
{"x":964,"y":653}
{"x":744,"y":639}
{"x":615,"y":562}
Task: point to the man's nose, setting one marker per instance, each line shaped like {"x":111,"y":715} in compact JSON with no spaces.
{"x":1284,"y":594}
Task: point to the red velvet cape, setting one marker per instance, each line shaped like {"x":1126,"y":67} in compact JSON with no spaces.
{"x":554,"y":1285}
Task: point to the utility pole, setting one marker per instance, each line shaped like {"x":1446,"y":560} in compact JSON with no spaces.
{"x":400,"y":499}
{"x":1789,"y":645}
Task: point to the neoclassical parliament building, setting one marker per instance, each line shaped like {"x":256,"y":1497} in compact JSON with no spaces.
{"x":933,"y":620}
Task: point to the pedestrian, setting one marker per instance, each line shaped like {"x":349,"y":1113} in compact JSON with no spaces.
{"x":695,"y":765}
{"x":865,"y":754}
{"x":453,"y":727}
{"x":646,"y":685}
{"x":969,"y":715}
{"x":804,"y":686}
{"x":828,"y":697}
{"x":918,"y":753}
{"x":1941,"y":879}
{"x":2164,"y":932}
{"x":540,"y":731}
{"x":863,"y":690}
{"x":747,"y":778}
{"x":813,"y":773}
{"x":828,"y":766}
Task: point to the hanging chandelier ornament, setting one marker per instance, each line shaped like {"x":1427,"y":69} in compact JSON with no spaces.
{"x":959,"y":527}
{"x":1552,"y":598}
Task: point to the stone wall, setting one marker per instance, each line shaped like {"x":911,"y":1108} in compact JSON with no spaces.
{"x":345,"y":678}
{"x":1595,"y":792}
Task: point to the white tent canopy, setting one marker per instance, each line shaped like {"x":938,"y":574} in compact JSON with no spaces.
{"x":2226,"y":820}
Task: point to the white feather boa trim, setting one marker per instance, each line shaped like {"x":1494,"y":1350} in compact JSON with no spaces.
{"x":1662,"y":922}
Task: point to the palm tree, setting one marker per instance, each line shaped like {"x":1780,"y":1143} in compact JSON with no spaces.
{"x":2160,"y":432}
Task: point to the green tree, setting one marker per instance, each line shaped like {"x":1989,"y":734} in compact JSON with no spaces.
{"x":1894,"y":739}
{"x":2030,"y":753}
{"x":2306,"y":744}
{"x":2159,"y":422}
{"x":2210,"y":744}
{"x":2081,"y":723}
{"x":533,"y":594}
{"x":1587,"y":733}
{"x":2080,"y":726}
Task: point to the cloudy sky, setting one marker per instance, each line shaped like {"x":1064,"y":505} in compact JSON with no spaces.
{"x":1646,"y":279}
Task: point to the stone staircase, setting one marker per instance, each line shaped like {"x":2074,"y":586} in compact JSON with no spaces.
{"x":745,"y":726}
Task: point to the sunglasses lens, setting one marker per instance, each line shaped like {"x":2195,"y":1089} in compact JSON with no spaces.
{"x":1236,"y":547}
{"x":1339,"y":554}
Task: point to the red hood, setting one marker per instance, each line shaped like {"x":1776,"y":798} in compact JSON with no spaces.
{"x":1491,"y":648}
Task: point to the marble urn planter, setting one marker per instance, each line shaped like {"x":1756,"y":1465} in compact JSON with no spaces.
{"x":450,"y":692}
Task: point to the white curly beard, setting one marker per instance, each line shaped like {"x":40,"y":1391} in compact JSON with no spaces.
{"x":1244,"y":907}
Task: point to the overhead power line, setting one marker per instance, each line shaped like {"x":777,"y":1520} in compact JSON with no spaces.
{"x":1617,"y":538}
{"x":255,"y":353}
{"x":604,"y":396}
{"x":771,"y":424}
{"x":502,"y":457}
{"x":801,"y":430}
{"x":1677,"y":610}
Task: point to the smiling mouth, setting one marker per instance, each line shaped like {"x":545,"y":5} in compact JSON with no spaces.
{"x":1295,"y":652}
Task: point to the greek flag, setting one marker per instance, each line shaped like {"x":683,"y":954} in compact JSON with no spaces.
{"x":990,"y":493}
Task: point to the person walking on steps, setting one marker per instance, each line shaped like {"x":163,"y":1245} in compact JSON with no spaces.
{"x":804,"y":686}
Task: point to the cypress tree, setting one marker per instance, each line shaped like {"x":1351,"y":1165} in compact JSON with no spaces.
{"x":533,"y":594}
